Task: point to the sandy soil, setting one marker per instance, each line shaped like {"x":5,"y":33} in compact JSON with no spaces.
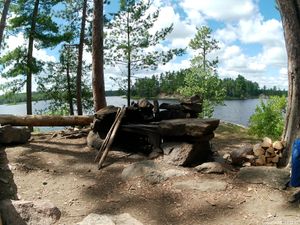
{"x":62,"y":170}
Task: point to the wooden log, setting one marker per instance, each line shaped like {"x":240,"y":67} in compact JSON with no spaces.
{"x":45,"y":120}
{"x":278,"y":145}
{"x":258,"y":150}
{"x":266,"y":143}
{"x":104,"y":144}
{"x":261,"y":161}
{"x":275,"y":159}
{"x":111,"y":138}
{"x":270,"y":152}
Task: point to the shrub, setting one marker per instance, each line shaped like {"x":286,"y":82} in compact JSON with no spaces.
{"x":268,"y":119}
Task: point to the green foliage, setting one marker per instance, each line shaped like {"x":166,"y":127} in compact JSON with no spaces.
{"x":128,"y":40}
{"x":14,"y":98}
{"x":202,"y":78}
{"x":146,"y":87}
{"x":207,"y":85}
{"x":268,"y":119}
{"x":15,"y":64}
{"x":55,"y":85}
{"x":171,"y":81}
{"x":241,"y":88}
{"x":204,"y":42}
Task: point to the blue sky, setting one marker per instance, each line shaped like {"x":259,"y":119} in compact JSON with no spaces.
{"x":249,"y":33}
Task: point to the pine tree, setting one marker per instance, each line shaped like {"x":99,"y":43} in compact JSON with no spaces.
{"x":128,"y":39}
{"x":58,"y":83}
{"x":34,"y":19}
{"x":6,"y":5}
{"x":97,"y":57}
{"x":202,"y":78}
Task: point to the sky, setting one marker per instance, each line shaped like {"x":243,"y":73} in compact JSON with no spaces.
{"x":249,"y":32}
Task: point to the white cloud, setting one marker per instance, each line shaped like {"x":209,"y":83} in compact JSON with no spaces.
{"x":274,"y":56}
{"x":268,"y":33}
{"x":220,"y":10}
{"x":231,"y":51}
{"x":227,"y":34}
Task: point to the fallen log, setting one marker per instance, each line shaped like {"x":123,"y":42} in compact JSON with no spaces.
{"x":43,"y":120}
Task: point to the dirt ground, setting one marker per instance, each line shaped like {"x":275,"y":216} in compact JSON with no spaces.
{"x":62,"y":171}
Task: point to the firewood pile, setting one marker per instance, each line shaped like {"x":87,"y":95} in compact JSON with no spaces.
{"x":265,"y":153}
{"x":171,"y":130}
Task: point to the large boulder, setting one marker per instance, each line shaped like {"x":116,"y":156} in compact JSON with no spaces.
{"x":122,"y":219}
{"x":188,"y":127}
{"x":270,"y":176}
{"x":13,"y":135}
{"x":29,"y":212}
{"x":186,"y":154}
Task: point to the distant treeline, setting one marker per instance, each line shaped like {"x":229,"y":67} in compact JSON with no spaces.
{"x":20,"y":97}
{"x":169,"y":83}
{"x":38,"y":96}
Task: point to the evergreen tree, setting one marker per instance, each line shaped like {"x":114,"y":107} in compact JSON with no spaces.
{"x":202,"y":78}
{"x":128,"y":39}
{"x":59,"y":83}
{"x":97,"y":57}
{"x":4,"y":14}
{"x":34,"y":19}
{"x":146,"y":87}
{"x":206,"y":44}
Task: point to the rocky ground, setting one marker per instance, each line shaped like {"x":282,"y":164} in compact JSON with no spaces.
{"x":152,"y":192}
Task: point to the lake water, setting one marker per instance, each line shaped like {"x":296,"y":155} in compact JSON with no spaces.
{"x":234,"y":111}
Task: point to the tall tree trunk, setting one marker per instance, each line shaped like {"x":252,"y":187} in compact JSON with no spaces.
{"x":79,"y":65}
{"x":128,"y":63}
{"x":69,"y":86}
{"x":290,"y":12}
{"x":30,"y":57}
{"x":3,"y":19}
{"x":97,"y":49}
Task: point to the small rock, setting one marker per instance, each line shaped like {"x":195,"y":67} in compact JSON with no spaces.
{"x":211,"y":167}
{"x":239,"y":156}
{"x":33,"y":212}
{"x":122,"y":219}
{"x":175,"y":173}
{"x":93,"y":140}
{"x":138,"y":169}
{"x":45,"y":183}
{"x":155,"y":153}
{"x":154,"y":177}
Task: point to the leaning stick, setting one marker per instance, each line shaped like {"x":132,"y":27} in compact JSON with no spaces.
{"x":111,"y":139}
{"x":107,"y":136}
